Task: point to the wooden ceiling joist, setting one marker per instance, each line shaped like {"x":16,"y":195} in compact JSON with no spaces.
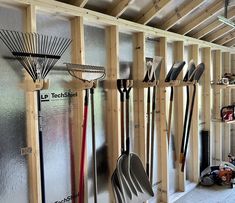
{"x":181,"y":12}
{"x":202,"y":17}
{"x":151,"y":11}
{"x":230,"y":44}
{"x":106,"y":20}
{"x":80,"y":3}
{"x":213,"y":26}
{"x":219,"y":33}
{"x":119,"y":7}
{"x":227,"y":38}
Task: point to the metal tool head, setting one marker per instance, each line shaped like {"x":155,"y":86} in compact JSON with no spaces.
{"x":90,"y":72}
{"x":153,"y":67}
{"x":190,"y":71}
{"x":37,"y":53}
{"x":139,"y":174}
{"x":175,"y":71}
{"x":199,"y":71}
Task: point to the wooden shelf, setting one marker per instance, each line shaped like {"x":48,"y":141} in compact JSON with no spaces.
{"x":221,"y":86}
{"x":225,"y":122}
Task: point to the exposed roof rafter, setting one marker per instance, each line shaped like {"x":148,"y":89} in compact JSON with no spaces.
{"x":152,"y":11}
{"x":227,"y":38}
{"x":80,"y":3}
{"x":181,"y":12}
{"x":230,"y":44}
{"x":119,"y":7}
{"x":213,"y":26}
{"x":202,"y":17}
{"x":219,"y":33}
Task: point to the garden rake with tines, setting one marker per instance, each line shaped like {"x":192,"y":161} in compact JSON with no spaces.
{"x":94,"y":73}
{"x":37,"y":54}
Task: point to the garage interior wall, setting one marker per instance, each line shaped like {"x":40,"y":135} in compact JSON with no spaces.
{"x":58,"y":113}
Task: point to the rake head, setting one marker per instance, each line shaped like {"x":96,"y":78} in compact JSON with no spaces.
{"x":92,"y":72}
{"x":37,"y":53}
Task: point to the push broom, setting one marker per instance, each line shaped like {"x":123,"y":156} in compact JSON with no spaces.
{"x":37,"y":54}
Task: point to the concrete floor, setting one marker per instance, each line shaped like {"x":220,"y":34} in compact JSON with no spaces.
{"x":214,"y":194}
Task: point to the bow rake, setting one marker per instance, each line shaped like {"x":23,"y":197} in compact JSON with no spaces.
{"x":38,"y":54}
{"x":89,"y":69}
{"x":95,"y":73}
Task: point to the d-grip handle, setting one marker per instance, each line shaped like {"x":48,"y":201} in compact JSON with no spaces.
{"x":231,"y":107}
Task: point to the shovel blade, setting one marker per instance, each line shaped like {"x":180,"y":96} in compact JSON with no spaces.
{"x":138,"y":172}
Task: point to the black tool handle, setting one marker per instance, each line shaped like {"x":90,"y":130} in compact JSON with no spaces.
{"x":119,"y":87}
{"x":95,"y":187}
{"x":41,"y":157}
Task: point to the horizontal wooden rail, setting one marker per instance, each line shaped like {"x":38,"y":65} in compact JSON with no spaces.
{"x":103,"y":19}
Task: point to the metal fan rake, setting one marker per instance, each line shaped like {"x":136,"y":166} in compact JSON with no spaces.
{"x":37,"y":54}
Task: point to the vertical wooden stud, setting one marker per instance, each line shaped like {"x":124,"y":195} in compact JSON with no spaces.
{"x":112,"y":113}
{"x":206,"y":104}
{"x":139,"y":115}
{"x":164,"y":161}
{"x":32,"y":125}
{"x":194,"y":54}
{"x":178,"y":115}
{"x":232,"y":100}
{"x":78,"y":57}
{"x":216,"y":107}
{"x":226,"y":101}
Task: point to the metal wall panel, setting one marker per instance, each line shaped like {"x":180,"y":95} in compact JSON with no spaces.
{"x":13,"y":166}
{"x":95,"y":54}
{"x":56,"y":116}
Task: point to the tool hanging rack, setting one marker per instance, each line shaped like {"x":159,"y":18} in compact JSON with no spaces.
{"x":38,"y":54}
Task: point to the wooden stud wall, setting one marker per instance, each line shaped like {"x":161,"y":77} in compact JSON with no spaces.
{"x":78,"y":56}
{"x":164,"y":164}
{"x":216,"y":108}
{"x":194,"y":54}
{"x":112,"y":46}
{"x":206,"y":104}
{"x":32,"y":124}
{"x":114,"y":141}
{"x":232,"y":102}
{"x":178,"y":115}
{"x":226,"y":101}
{"x":139,"y":114}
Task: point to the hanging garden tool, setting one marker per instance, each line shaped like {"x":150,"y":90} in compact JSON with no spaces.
{"x":129,"y":180}
{"x":195,"y":77}
{"x":171,"y":76}
{"x":189,"y":74}
{"x":37,"y":54}
{"x":94,"y":73}
{"x":152,"y":74}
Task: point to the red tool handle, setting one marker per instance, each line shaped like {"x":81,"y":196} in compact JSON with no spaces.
{"x":83,"y":151}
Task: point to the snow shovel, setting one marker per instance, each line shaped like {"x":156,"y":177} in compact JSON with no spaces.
{"x":196,"y":76}
{"x":125,"y":179}
{"x":189,"y":73}
{"x":123,"y":186}
{"x":134,"y":164}
{"x":171,"y":76}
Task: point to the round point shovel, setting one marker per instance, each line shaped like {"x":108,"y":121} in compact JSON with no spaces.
{"x":196,"y":76}
{"x":188,"y":75}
